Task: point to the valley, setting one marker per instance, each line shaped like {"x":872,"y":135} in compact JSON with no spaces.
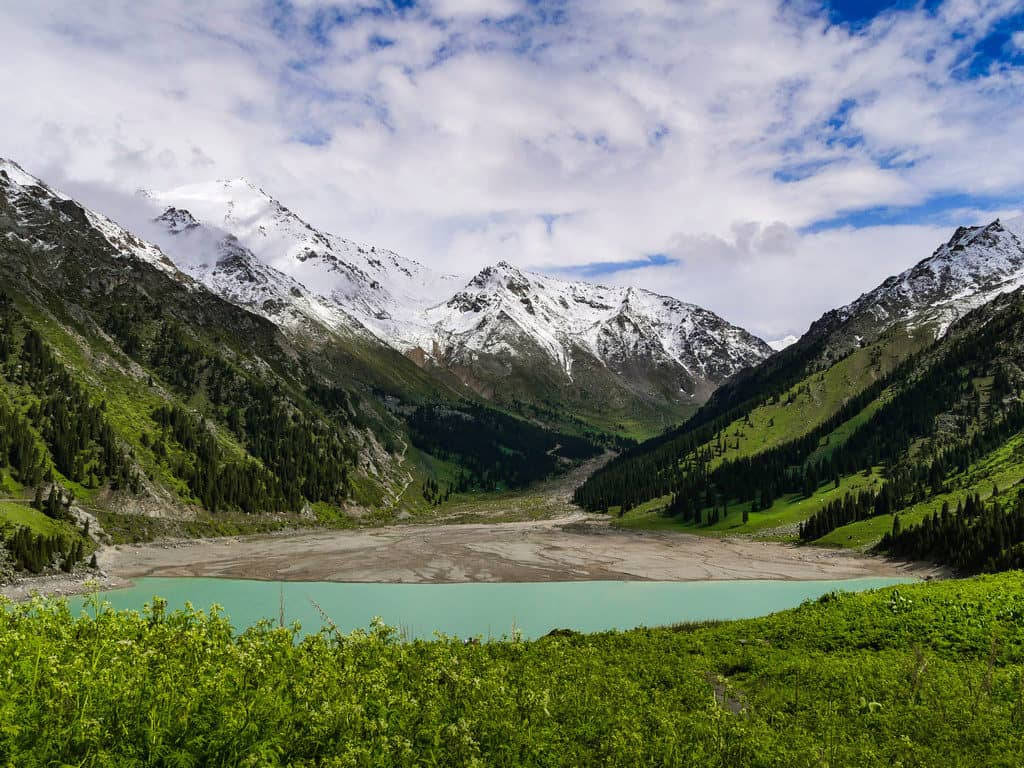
{"x":573,"y":548}
{"x":260,"y":407}
{"x":512,"y":384}
{"x":209,"y":393}
{"x":530,"y":536}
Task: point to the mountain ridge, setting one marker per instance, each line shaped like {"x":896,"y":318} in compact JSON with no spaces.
{"x":909,"y":393}
{"x":509,"y":335}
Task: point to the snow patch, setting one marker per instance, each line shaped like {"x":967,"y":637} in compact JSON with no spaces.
{"x":501,"y":311}
{"x":780,"y":344}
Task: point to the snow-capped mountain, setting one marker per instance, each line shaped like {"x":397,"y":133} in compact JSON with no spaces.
{"x":381,"y":290}
{"x":786,"y":341}
{"x":617,"y":326}
{"x":245,"y":245}
{"x":24,"y":192}
{"x":976,"y":264}
{"x":229,"y":269}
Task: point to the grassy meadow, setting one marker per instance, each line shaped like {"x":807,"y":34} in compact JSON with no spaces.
{"x":921,"y":675}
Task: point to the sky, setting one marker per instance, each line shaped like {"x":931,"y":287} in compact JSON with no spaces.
{"x":767,"y":160}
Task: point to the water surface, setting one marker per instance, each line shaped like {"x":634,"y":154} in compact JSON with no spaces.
{"x":483,"y":609}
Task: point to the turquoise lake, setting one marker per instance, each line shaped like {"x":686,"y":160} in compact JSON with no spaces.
{"x":482,"y":609}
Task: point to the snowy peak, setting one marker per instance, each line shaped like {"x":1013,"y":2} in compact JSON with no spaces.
{"x":780,"y":344}
{"x":975,"y":265}
{"x":228,"y":268}
{"x":177,"y":221}
{"x":615,"y":325}
{"x":15,"y":174}
{"x":378,"y":288}
{"x":502,"y":314}
{"x":24,"y":192}
{"x":1015,"y":226}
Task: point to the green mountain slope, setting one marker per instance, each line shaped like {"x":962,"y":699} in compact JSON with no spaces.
{"x":130,"y":389}
{"x":923,"y":428}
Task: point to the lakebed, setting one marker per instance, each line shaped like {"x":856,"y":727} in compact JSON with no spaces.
{"x":573,"y":547}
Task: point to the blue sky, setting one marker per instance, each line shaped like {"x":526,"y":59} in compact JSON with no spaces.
{"x":992,"y":51}
{"x":769,"y":160}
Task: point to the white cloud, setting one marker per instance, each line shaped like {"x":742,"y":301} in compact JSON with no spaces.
{"x":779,"y":291}
{"x":495,"y":9}
{"x":646,"y":127}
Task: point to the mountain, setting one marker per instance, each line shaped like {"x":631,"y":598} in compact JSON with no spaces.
{"x":158,"y":404}
{"x":904,"y":403}
{"x":904,"y":314}
{"x":780,"y":344}
{"x":377,"y":289}
{"x":975,"y":265}
{"x":624,"y":359}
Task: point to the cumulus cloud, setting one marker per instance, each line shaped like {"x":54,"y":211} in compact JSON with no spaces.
{"x":552,"y":135}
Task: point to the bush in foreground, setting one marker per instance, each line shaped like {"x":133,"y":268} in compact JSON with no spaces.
{"x":926,"y":675}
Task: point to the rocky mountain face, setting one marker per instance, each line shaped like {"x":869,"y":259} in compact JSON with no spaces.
{"x":974,"y":266}
{"x":525,"y":340}
{"x":654,"y":346}
{"x":904,"y":314}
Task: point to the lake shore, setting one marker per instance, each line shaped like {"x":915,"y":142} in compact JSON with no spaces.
{"x":576,"y":547}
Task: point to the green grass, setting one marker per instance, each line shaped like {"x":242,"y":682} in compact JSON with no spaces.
{"x":643,"y":427}
{"x":9,"y":486}
{"x":22,"y":515}
{"x":786,"y":511}
{"x":917,"y":676}
{"x":816,"y":398}
{"x":1003,"y":467}
{"x":838,"y":436}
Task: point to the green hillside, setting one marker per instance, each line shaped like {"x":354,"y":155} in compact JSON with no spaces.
{"x":891,"y":430}
{"x":807,"y":404}
{"x":131,"y":394}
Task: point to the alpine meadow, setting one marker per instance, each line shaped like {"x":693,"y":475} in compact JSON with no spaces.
{"x":512,"y":383}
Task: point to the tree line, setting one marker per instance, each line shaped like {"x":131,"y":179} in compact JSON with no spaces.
{"x":494,"y":449}
{"x":973,"y":538}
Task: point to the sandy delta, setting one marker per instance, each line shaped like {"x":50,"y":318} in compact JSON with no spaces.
{"x":569,"y":548}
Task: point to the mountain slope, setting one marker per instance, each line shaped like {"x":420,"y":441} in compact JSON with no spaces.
{"x":902,"y":315}
{"x":896,"y":423}
{"x":120,"y":320}
{"x":620,"y":358}
{"x":129,"y":385}
{"x":941,"y":425}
